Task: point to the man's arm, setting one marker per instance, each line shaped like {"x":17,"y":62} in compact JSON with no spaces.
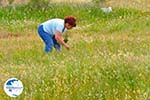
{"x":60,"y":39}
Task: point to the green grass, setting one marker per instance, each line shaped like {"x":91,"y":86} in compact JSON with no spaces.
{"x":109,"y":58}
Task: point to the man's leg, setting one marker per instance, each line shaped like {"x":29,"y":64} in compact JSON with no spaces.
{"x":57,"y":46}
{"x":47,"y":39}
{"x":48,"y":44}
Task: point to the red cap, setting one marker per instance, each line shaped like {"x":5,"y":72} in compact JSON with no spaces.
{"x":71,"y":20}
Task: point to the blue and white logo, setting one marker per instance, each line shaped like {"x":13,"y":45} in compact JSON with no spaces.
{"x":13,"y":87}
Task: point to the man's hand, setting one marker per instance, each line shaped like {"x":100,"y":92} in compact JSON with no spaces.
{"x":60,"y":39}
{"x":67,"y":47}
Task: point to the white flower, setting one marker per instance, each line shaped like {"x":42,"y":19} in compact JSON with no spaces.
{"x":107,"y":10}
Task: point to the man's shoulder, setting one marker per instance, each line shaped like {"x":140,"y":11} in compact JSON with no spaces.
{"x":57,"y":19}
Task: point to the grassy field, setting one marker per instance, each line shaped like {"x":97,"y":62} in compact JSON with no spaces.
{"x":109,"y":58}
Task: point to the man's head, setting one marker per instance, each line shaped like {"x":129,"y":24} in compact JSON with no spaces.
{"x":70,"y":22}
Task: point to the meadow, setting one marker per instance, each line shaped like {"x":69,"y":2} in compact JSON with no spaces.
{"x":108,"y":60}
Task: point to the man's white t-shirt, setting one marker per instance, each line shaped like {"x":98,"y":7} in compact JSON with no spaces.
{"x":53,"y":25}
